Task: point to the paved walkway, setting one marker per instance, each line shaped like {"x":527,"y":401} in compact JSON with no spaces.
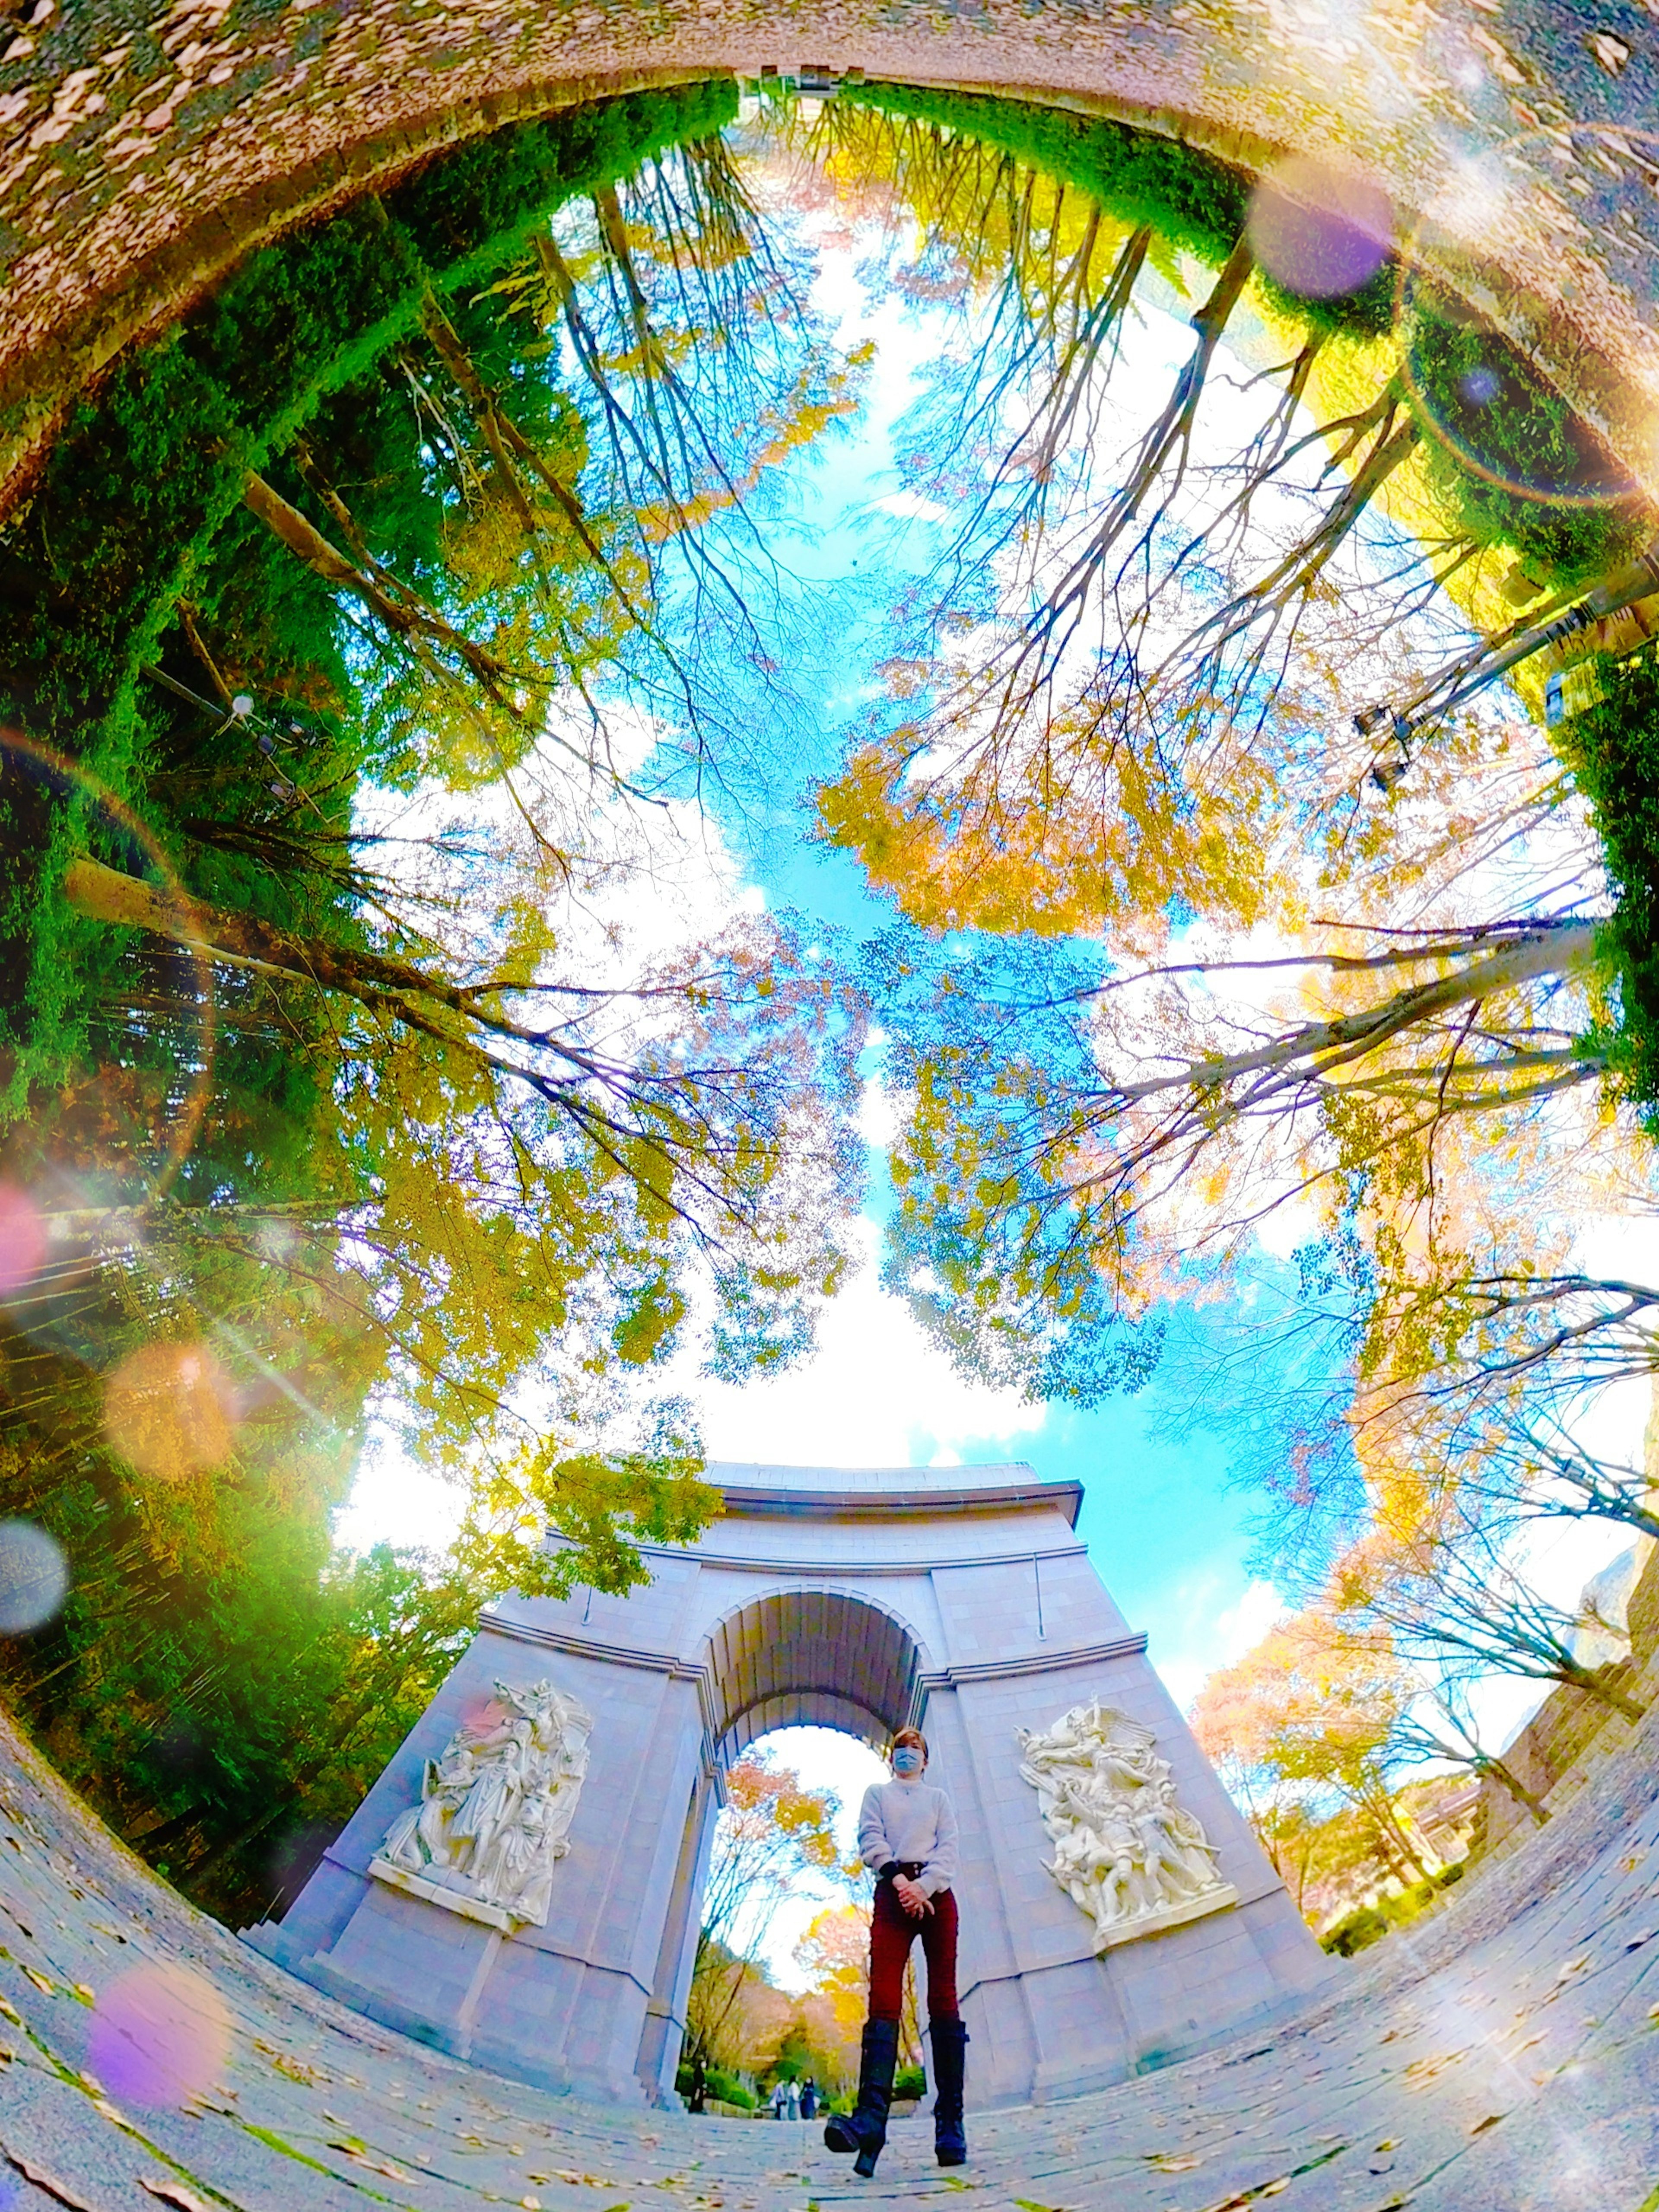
{"x":1504,"y":2058}
{"x":145,"y":144}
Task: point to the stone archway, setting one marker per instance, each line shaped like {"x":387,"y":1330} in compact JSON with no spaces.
{"x":814,"y":1658}
{"x":960,"y":1597}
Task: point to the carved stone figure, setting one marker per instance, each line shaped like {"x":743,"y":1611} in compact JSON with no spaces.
{"x":494,"y":1812}
{"x":419,"y":1837}
{"x":1126,"y":1850}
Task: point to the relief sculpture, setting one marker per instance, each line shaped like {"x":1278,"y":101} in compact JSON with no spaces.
{"x":1126,"y":1850}
{"x":496,"y":1808}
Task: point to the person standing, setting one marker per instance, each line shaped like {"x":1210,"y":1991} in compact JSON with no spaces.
{"x":908,"y":1837}
{"x":780,"y":2099}
{"x":809,"y":2099}
{"x":792,"y":2101}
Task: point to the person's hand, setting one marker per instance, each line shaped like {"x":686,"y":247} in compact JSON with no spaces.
{"x":913,"y":1896}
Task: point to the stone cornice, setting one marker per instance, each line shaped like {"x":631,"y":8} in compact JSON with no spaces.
{"x":769,"y":1503}
{"x":681,"y":1669}
{"x":593,"y":1647}
{"x":854,"y":1570}
{"x":1033,"y":1662}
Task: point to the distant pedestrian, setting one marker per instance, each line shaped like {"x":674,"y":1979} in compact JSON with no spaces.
{"x":780,"y":2099}
{"x":809,"y":2099}
{"x":792,"y":2110}
{"x":907,"y":1836}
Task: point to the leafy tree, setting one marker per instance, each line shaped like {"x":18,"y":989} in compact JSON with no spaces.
{"x":1449,"y":1589}
{"x":835,"y":1955}
{"x":1611,"y":747}
{"x":1307,"y":1713}
{"x":525,"y":1142}
{"x":1353,"y":973}
{"x":834,"y":1951}
{"x":771,"y":1833}
{"x":1346,"y":1700}
{"x":338,"y":1088}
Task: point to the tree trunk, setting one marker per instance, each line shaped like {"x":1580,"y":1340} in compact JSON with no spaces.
{"x":1536,"y":953}
{"x":1605,"y":1692}
{"x":447,"y":340}
{"x":1517,"y":1788}
{"x":403,"y":611}
{"x":106,"y":895}
{"x":507,"y":442}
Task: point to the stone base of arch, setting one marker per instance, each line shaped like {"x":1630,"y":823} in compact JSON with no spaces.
{"x":958,"y":1597}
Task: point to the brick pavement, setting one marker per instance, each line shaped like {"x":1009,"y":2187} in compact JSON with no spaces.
{"x":1502,"y":2057}
{"x":145,"y":144}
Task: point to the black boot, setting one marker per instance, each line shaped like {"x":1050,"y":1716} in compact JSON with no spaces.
{"x":864,"y":2129}
{"x":950,"y":2040}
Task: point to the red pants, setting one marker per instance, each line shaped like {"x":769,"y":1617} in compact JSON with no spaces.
{"x":892,"y":1931}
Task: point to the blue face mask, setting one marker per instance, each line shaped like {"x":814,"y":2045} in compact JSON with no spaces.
{"x":907,"y":1759}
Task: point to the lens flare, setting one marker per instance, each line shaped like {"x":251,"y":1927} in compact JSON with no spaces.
{"x":44,"y":769}
{"x":167,"y":1410}
{"x":33,"y":1577}
{"x":1479,"y":394}
{"x":1318,"y":231}
{"x":160,"y":2034}
{"x":22,"y":1239}
{"x":1479,"y":388}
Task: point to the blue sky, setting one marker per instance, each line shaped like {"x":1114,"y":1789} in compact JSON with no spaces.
{"x":1166,"y":1530}
{"x":1162,"y":1527}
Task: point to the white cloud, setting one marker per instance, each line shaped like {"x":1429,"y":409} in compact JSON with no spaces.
{"x":396,"y":1500}
{"x":913,"y":505}
{"x":875,"y":1393}
{"x":881,"y":1114}
{"x":1205,"y":1633}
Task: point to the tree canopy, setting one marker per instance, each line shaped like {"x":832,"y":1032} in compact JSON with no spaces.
{"x":1208,"y":953}
{"x":383,"y":1044}
{"x":389,"y":1044}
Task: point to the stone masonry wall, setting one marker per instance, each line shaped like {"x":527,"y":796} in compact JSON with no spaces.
{"x":1573,"y":1735}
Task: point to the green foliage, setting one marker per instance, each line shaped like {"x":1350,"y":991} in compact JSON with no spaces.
{"x":1369,"y":1923}
{"x":220,"y":1685}
{"x":1365,"y":313}
{"x":719,"y":2084}
{"x":480,"y":204}
{"x":1613,"y":747}
{"x":1190,"y":198}
{"x":910,"y":2081}
{"x":1507,"y":456}
{"x":603,"y":1504}
{"x":139,"y":506}
{"x":216,"y":1685}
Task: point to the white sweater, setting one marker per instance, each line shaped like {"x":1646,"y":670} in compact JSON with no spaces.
{"x":913,"y":1823}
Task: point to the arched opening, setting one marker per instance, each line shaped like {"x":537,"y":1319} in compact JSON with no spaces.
{"x":813,"y":1658}
{"x":780,"y":1977}
{"x":761,"y":1834}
